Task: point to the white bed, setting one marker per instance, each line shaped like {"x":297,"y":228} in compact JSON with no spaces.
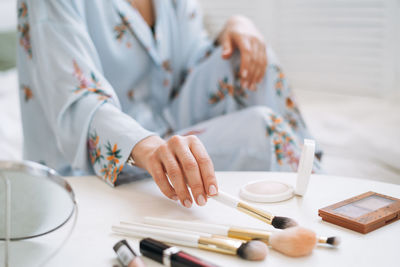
{"x":359,"y":135}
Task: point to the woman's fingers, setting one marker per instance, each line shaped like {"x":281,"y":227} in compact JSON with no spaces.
{"x":181,"y":162}
{"x":227,"y":48}
{"x":175,"y":175}
{"x":253,"y":60}
{"x":190,"y":167}
{"x":254,"y":66}
{"x":259,"y":63}
{"x":205,"y":165}
{"x":262,"y":55}
{"x":157,"y":172}
{"x":245,"y":60}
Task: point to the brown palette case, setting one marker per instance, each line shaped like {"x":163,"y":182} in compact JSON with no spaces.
{"x":363,"y":213}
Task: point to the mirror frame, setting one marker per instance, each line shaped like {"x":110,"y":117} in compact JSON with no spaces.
{"x":41,"y":171}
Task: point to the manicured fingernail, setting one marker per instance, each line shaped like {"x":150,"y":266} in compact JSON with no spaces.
{"x":252,"y":87}
{"x":174,"y":197}
{"x":187,"y":203}
{"x":201,"y":200}
{"x":245,"y":84}
{"x":212,"y":190}
{"x":244,"y":73}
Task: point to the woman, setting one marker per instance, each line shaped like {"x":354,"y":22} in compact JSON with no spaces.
{"x":106,"y":82}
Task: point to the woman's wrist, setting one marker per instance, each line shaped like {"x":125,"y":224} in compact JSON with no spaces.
{"x":144,"y":148}
{"x":231,"y":23}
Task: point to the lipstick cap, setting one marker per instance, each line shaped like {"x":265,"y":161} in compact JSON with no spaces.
{"x":153,"y":249}
{"x":125,"y":253}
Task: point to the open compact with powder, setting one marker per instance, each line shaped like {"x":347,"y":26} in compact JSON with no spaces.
{"x":274,"y":191}
{"x":363,"y":213}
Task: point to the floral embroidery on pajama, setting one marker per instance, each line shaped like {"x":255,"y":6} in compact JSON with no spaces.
{"x":280,"y":79}
{"x":28,"y":94}
{"x":24,"y":30}
{"x":122,"y":29}
{"x":293,"y":116}
{"x":225,"y":88}
{"x":292,"y":113}
{"x":284,"y":146}
{"x":88,"y":86}
{"x":166,"y":64}
{"x":94,"y":149}
{"x":23,"y":10}
{"x":165,"y":82}
{"x":110,"y":162}
{"x":111,"y":170}
{"x":131,"y":95}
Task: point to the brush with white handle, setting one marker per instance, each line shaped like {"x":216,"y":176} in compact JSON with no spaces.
{"x":276,"y":221}
{"x":295,"y":241}
{"x":252,"y":250}
{"x":233,"y":231}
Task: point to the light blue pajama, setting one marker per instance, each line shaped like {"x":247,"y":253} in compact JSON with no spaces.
{"x":95,"y":80}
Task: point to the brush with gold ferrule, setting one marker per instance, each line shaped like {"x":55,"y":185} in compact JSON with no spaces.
{"x":276,"y":221}
{"x":253,"y":250}
{"x":295,"y":241}
{"x":230,"y":231}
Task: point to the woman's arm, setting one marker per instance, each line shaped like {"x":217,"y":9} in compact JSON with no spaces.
{"x":63,"y":70}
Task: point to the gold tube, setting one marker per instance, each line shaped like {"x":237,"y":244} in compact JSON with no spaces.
{"x":249,"y":234}
{"x":220,"y":245}
{"x":257,"y":213}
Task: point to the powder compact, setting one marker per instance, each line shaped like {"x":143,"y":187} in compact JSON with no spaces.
{"x":274,"y":191}
{"x":363,"y":213}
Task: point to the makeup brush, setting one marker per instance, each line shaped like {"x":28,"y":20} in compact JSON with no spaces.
{"x":252,"y":250}
{"x":295,"y":241}
{"x":276,"y":221}
{"x":233,"y":232}
{"x":332,"y":240}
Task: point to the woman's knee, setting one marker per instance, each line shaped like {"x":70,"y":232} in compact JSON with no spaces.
{"x":259,"y":113}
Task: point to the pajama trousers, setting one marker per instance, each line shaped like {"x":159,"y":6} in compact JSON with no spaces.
{"x":242,"y":130}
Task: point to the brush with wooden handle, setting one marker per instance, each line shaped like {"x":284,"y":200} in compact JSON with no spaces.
{"x":296,"y":241}
{"x":276,"y":221}
{"x":252,"y":250}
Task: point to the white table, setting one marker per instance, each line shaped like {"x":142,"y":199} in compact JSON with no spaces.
{"x":101,"y":206}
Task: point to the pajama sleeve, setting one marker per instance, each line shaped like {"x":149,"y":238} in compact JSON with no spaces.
{"x":80,"y":105}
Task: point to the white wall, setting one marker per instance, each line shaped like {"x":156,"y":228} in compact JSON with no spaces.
{"x":8,"y":15}
{"x":341,"y":46}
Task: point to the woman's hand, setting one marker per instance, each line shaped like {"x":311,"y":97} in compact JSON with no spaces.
{"x":182,"y":159}
{"x":240,"y":32}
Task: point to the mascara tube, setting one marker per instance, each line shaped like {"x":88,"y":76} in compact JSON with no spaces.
{"x":170,"y":256}
{"x":126,"y":255}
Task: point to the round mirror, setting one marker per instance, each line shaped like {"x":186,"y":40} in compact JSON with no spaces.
{"x":41,"y":200}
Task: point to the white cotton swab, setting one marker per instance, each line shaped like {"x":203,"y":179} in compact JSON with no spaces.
{"x":253,"y":250}
{"x":276,"y":221}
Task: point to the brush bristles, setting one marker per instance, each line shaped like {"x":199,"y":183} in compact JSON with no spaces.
{"x":294,"y":242}
{"x":283,"y":222}
{"x":253,"y":250}
{"x":333,"y":240}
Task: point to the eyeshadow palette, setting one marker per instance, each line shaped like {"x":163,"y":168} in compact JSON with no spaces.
{"x":363,"y":213}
